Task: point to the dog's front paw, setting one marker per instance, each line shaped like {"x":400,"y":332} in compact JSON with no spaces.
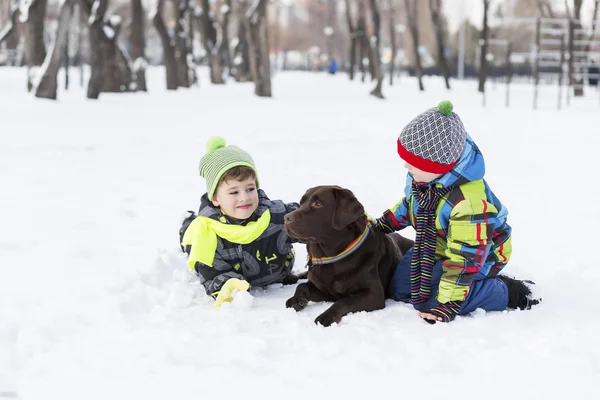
{"x":296,"y":303}
{"x":328,"y":318}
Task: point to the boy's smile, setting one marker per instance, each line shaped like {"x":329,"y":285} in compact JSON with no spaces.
{"x":237,"y":199}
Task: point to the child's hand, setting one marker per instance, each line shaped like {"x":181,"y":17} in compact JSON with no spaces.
{"x":429,"y":318}
{"x":443,"y":312}
{"x":229,"y":289}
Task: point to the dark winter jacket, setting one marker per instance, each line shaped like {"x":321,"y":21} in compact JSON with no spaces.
{"x":257,"y":249}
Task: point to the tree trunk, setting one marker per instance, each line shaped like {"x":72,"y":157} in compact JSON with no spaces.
{"x":259,"y":48}
{"x":117,"y":71}
{"x":33,"y":30}
{"x":361,"y":37}
{"x":10,"y":26}
{"x":225,"y":51}
{"x":578,"y":90}
{"x":375,"y":45}
{"x":353,"y":40}
{"x":393,"y":45}
{"x":136,"y":37}
{"x":330,"y":30}
{"x":168,"y":48}
{"x":47,"y":86}
{"x":181,"y":47}
{"x":435,"y":6}
{"x":97,"y":58}
{"x":211,"y":40}
{"x":138,"y":44}
{"x":241,"y":60}
{"x":484,"y":47}
{"x":411,"y":19}
{"x":110,"y":69}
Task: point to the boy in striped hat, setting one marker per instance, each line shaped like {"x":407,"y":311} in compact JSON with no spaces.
{"x":462,"y":238}
{"x":237,"y":239}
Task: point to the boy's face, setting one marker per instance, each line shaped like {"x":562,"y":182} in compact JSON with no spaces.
{"x":421,"y":176}
{"x":237,"y":199}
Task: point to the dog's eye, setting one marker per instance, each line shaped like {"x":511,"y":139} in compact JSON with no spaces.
{"x":316,"y":204}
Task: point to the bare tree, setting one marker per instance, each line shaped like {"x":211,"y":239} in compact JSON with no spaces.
{"x":435,"y":7}
{"x":110,"y":69}
{"x":47,"y":85}
{"x":393,"y":45}
{"x":136,"y":36}
{"x":352,"y":28}
{"x":363,"y":40}
{"x":184,"y":74}
{"x":225,"y":52}
{"x":484,"y":47}
{"x":241,"y":55}
{"x":259,"y":48}
{"x":212,"y":35}
{"x":138,"y":43}
{"x":411,"y":20}
{"x":32,"y":13}
{"x":10,"y":27}
{"x":330,"y":30}
{"x":168,"y":47}
{"x":374,"y":49}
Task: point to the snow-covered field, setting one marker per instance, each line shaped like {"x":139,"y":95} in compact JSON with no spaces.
{"x":96,"y":301}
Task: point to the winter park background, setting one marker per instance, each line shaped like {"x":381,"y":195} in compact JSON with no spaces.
{"x":96,"y":301}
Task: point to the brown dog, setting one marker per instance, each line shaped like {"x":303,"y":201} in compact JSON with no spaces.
{"x":350,"y":262}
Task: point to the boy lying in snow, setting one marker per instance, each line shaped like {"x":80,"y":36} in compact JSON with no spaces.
{"x":237,"y":238}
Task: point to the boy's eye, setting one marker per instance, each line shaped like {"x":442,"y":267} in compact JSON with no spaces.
{"x":316,"y":204}
{"x":251,"y":189}
{"x":233,"y":193}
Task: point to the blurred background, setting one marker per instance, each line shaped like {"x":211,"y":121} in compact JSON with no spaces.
{"x":540,"y":41}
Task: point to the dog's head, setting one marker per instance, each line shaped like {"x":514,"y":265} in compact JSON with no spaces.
{"x":324,"y":211}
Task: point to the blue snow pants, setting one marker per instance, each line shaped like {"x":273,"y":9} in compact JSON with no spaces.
{"x":489,"y":294}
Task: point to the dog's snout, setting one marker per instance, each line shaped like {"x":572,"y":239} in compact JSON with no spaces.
{"x":288,"y":218}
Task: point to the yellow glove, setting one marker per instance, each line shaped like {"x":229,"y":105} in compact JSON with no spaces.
{"x":229,"y":289}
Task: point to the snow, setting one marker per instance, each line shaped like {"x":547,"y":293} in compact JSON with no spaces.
{"x":108,"y":31}
{"x":96,"y":301}
{"x":94,"y":12}
{"x":24,"y":6}
{"x":115,"y":20}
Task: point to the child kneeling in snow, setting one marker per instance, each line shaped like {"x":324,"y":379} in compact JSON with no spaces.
{"x":462,"y":238}
{"x":237,"y":238}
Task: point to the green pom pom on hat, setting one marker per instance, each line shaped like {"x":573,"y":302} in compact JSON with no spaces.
{"x":445,"y":107}
{"x":214,"y":143}
{"x":219,"y":159}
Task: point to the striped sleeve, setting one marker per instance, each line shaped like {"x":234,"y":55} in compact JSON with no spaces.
{"x":470,"y":232}
{"x":394,"y":219}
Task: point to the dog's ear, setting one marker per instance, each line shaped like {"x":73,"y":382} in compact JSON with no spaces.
{"x":347,"y":208}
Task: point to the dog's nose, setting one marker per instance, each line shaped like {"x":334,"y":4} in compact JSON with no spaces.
{"x":288,"y":218}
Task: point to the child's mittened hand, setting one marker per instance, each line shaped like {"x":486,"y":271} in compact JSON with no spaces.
{"x":228,"y":290}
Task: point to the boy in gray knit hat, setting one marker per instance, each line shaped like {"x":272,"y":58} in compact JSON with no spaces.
{"x":462,"y":238}
{"x":237,"y":239}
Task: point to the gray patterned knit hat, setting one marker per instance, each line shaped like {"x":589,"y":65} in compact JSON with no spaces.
{"x":220,"y":159}
{"x":434,"y":140}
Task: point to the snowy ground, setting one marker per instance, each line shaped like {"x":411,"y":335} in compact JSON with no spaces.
{"x":96,"y":303}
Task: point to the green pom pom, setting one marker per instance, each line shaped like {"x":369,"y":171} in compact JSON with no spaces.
{"x":445,"y":107}
{"x":214,"y":143}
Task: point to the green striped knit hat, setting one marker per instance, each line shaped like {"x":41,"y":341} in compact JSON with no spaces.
{"x":219,"y":159}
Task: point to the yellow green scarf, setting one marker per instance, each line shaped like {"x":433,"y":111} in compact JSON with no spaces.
{"x":203,"y":232}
